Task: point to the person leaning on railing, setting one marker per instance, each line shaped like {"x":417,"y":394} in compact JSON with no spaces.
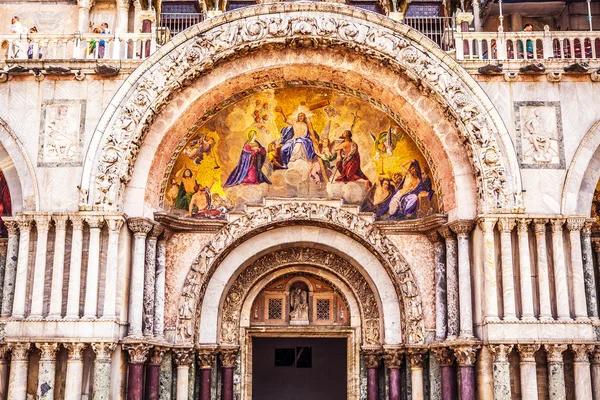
{"x":528,"y":43}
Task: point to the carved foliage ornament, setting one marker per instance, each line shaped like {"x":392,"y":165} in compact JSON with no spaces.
{"x":307,"y":27}
{"x":204,"y":266}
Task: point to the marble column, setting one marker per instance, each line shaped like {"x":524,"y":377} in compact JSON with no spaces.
{"x":140,"y":228}
{"x":441,"y":325}
{"x":206,"y":360}
{"x":159,"y":289}
{"x":3,"y":253}
{"x":74,"y":379}
{"x":47,"y":370}
{"x":138,"y":353}
{"x":42,"y":225}
{"x":476,"y":15}
{"x":166,"y":377}
{"x":501,"y":370}
{"x":466,"y":355}
{"x":228,"y":358}
{"x":525,"y":270}
{"x":122,"y":16}
{"x":581,"y":371}
{"x":114,"y":223}
{"x":542,"y":269}
{"x":149,"y":280}
{"x":103,"y":352}
{"x":153,"y":373}
{"x":462,"y":229}
{"x":556,"y":371}
{"x":452,"y":305}
{"x":393,"y":360}
{"x":595,"y":372}
{"x":529,"y":387}
{"x":183,"y":359}
{"x":73,"y":295}
{"x":19,"y":367}
{"x":93,"y":267}
{"x":575,"y":225}
{"x":83,"y":21}
{"x":4,"y":366}
{"x":416,"y":360}
{"x":560,"y":271}
{"x":505,"y":226}
{"x":445,"y":357}
{"x":490,"y":302}
{"x":588,"y":270}
{"x":10,"y":271}
{"x":22,"y":268}
{"x":58,"y":266}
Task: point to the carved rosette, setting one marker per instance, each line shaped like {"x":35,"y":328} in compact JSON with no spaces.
{"x":206,"y":358}
{"x":444,"y":355}
{"x":416,"y":357}
{"x":371,"y":357}
{"x":527,"y":352}
{"x":554,"y":352}
{"x":500,"y":352}
{"x":138,"y":352}
{"x":392,"y":358}
{"x":183,"y":356}
{"x":47,"y":351}
{"x":228,"y":357}
{"x":140,"y":226}
{"x":157,"y":354}
{"x":19,"y":351}
{"x":103,"y":351}
{"x":466,"y":354}
{"x":75,"y":351}
{"x":582,"y":352}
{"x":204,"y":265}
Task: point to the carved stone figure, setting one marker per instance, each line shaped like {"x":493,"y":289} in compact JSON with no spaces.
{"x":298,"y":305}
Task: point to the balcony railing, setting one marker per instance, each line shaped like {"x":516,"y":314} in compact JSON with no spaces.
{"x":578,"y":45}
{"x":170,"y":24}
{"x":439,"y":29}
{"x":77,"y":46}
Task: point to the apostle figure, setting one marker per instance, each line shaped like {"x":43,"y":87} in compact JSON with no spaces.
{"x":379,"y":196}
{"x":348,"y":165}
{"x":249,"y":168}
{"x":296,"y":139}
{"x":405,"y":201}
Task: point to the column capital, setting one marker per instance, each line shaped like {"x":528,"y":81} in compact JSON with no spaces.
{"x":446,"y":233}
{"x":76,"y":221}
{"x":24,"y":222}
{"x":4,"y":350}
{"x":466,"y":354}
{"x":416,"y":357}
{"x":123,"y":3}
{"x":434,"y":236}
{"x":506,"y":224}
{"x":60,"y":221}
{"x":114,"y":223}
{"x":183,"y":356}
{"x":554,"y":352}
{"x":42,"y":222}
{"x":94,"y":221}
{"x":575,"y":223}
{"x":206,"y":358}
{"x":392,"y":358}
{"x":596,"y":355}
{"x":103,"y":350}
{"x":140,"y":226}
{"x":86,"y":3}
{"x":582,"y":352}
{"x":48,"y":351}
{"x":523,"y":224}
{"x":444,"y":355}
{"x":157,"y":229}
{"x":487,"y":223}
{"x":462,"y":226}
{"x":527,"y":352}
{"x":19,"y":351}
{"x":540,"y":225}
{"x":75,"y":350}
{"x":500,"y":351}
{"x":557,"y":225}
{"x":228,"y":356}
{"x":12,"y":225}
{"x":138,"y":352}
{"x":586,"y":231}
{"x":157,"y":354}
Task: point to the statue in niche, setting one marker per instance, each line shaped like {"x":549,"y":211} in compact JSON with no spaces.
{"x":539,"y":138}
{"x":299,"y":306}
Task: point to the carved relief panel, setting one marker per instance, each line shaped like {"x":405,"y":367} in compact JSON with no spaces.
{"x":61,"y":140}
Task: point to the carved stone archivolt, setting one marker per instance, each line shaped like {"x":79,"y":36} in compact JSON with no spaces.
{"x":296,"y":25}
{"x":300,"y":213}
{"x":370,"y":315}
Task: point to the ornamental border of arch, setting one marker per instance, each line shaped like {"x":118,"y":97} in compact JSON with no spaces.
{"x":199,"y":49}
{"x":253,"y":223}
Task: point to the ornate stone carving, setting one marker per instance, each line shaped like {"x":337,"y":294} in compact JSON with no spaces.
{"x":506,"y":224}
{"x":140,"y":226}
{"x":540,"y":226}
{"x":333,"y":26}
{"x":114,"y":223}
{"x":48,"y":351}
{"x":76,"y":221}
{"x":446,"y":233}
{"x":138,"y":352}
{"x":523,"y":224}
{"x":557,"y":225}
{"x":444,"y":355}
{"x":94,"y":221}
{"x":11,"y":225}
{"x":392,"y":358}
{"x":4,"y":351}
{"x":103,"y":350}
{"x":434,"y":236}
{"x":554,"y":352}
{"x":157,"y":355}
{"x":24,"y":222}
{"x":595,"y":355}
{"x":75,"y":350}
{"x":206,"y":358}
{"x":60,"y":221}
{"x":371,"y":357}
{"x":42,"y":222}
{"x":575,"y":223}
{"x":500,"y":352}
{"x":228,"y":357}
{"x":416,"y":357}
{"x":183,"y":356}
{"x":587,"y":227}
{"x":260,"y":220}
{"x":487,"y":224}
{"x":582,"y":352}
{"x":462,"y":227}
{"x":527,"y":352}
{"x":86,"y":3}
{"x":156,"y":232}
{"x":19,"y":351}
{"x":466,"y":354}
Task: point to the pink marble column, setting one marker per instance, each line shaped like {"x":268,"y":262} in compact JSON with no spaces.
{"x":74,"y":378}
{"x":581,"y":371}
{"x":529,"y":387}
{"x":445,"y":358}
{"x":4,"y":363}
{"x":393,"y":360}
{"x":542,"y":269}
{"x":228,"y":358}
{"x":206,"y":360}
{"x":19,"y":367}
{"x":505,"y":226}
{"x":153,"y":373}
{"x":462,"y":228}
{"x":466,"y":355}
{"x":575,"y":225}
{"x":138,"y":353}
{"x":490,"y":300}
{"x":441,"y":325}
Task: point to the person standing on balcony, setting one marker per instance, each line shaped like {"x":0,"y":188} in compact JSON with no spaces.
{"x":31,"y":45}
{"x":16,"y":28}
{"x":528,"y":43}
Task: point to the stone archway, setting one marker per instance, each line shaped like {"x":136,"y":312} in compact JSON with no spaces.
{"x":122,"y":129}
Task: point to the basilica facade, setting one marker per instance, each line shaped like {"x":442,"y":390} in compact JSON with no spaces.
{"x":296,"y":200}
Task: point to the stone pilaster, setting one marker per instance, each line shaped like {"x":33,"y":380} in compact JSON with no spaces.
{"x":149,"y":280}
{"x":3,"y":263}
{"x":138,"y":352}
{"x":445,"y":357}
{"x":10,"y":271}
{"x":490,"y":302}
{"x":47,"y":370}
{"x":140,"y":228}
{"x":506,"y":225}
{"x":112,"y":265}
{"x":556,"y":371}
{"x":371,"y":359}
{"x":525,"y":270}
{"x":441,"y":324}
{"x":159,"y":289}
{"x":73,"y":296}
{"x":466,"y":355}
{"x":462,"y":229}
{"x":595,"y":356}
{"x":4,"y":367}
{"x":575,"y":225}
{"x":416,"y":359}
{"x":452,"y":304}
{"x":392,"y":359}
{"x":22,"y":267}
{"x":19,"y":367}
{"x":542,"y":269}
{"x":581,"y":371}
{"x":93,"y":267}
{"x":529,"y":387}
{"x":501,"y":370}
{"x":153,"y":372}
{"x":588,"y":270}
{"x":42,"y":224}
{"x":103,"y":352}
{"x":58,"y":266}
{"x":74,"y":379}
{"x":206,"y":360}
{"x":560,"y":271}
{"x":183,"y":359}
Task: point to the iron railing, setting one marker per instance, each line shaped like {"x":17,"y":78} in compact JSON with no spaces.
{"x":170,"y":24}
{"x":439,"y":29}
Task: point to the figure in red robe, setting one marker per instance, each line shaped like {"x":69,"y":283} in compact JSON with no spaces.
{"x":348,"y":165}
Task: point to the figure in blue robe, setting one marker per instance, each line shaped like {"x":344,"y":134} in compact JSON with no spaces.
{"x":405,"y":201}
{"x":298,"y":131}
{"x":249,"y":168}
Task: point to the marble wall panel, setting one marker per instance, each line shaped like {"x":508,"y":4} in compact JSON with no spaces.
{"x":62,"y":123}
{"x":48,"y":17}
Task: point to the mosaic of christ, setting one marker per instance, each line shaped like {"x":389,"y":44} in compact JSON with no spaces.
{"x":299,"y":142}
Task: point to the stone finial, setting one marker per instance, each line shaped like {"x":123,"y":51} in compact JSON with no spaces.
{"x":557,"y":225}
{"x":11,"y":225}
{"x":103,"y":350}
{"x":500,"y":352}
{"x":42,"y":222}
{"x":60,"y":221}
{"x":416,"y":357}
{"x":434,"y":236}
{"x":94,"y":221}
{"x":462,"y":226}
{"x":138,"y":352}
{"x":523,"y":225}
{"x":75,"y":350}
{"x":487,"y":224}
{"x":392,"y":358}
{"x":506,"y":224}
{"x":466,"y":354}
{"x":540,"y":226}
{"x":114,"y":223}
{"x":582,"y":352}
{"x":157,"y":354}
{"x":19,"y":351}
{"x":554,"y":352}
{"x":206,"y":358}
{"x":48,"y":351}
{"x":575,"y":223}
{"x":446,"y":233}
{"x":140,"y":226}
{"x":228,"y":356}
{"x":183,"y":356}
{"x":527,"y":352}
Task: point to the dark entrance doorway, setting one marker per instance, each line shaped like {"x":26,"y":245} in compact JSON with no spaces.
{"x":298,"y":369}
